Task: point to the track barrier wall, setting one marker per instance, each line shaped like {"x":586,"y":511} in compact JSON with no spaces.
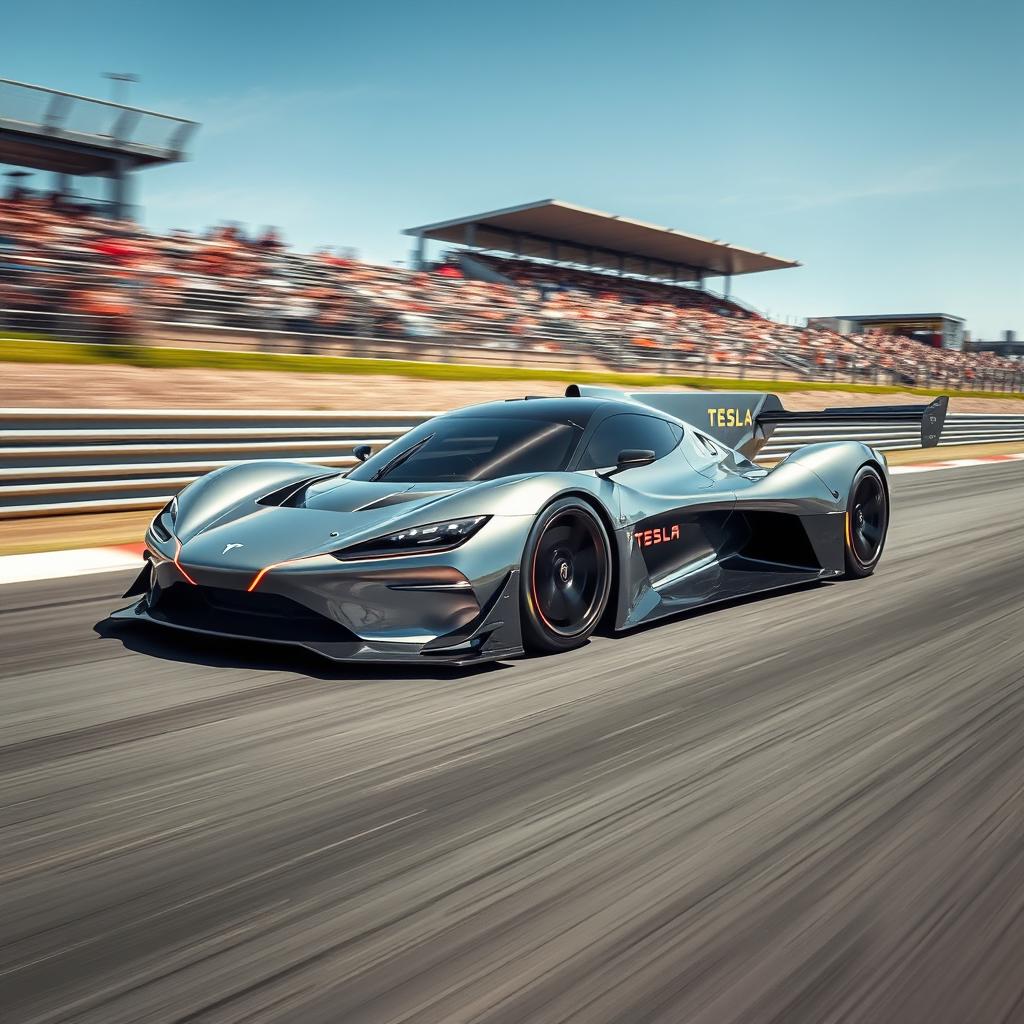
{"x":61,"y":461}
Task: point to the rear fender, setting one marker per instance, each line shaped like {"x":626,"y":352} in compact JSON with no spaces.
{"x":836,"y":464}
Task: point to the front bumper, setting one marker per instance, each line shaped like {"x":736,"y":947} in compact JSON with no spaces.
{"x":459,"y":606}
{"x":481,"y":632}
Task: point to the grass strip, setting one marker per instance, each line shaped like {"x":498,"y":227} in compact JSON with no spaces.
{"x":32,"y":349}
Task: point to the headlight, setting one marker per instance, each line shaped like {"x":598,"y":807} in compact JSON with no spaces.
{"x":441,"y":536}
{"x":163,"y":525}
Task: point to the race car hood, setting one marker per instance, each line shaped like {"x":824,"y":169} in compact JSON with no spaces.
{"x":310,"y":513}
{"x":254,"y":514}
{"x":255,"y":533}
{"x":339,"y":494}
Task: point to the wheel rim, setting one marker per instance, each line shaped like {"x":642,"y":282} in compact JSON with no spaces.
{"x":569,"y":573}
{"x":867,"y":519}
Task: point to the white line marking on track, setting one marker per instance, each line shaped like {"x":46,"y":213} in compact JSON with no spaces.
{"x":54,"y":565}
{"x":932,"y":467}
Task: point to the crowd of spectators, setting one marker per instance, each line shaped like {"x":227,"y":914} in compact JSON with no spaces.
{"x":550,"y":277}
{"x":70,"y":270}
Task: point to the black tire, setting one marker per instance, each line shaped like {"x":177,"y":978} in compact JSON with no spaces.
{"x":867,"y":522}
{"x":565,"y":578}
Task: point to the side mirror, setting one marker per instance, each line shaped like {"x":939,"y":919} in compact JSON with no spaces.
{"x":630,"y":458}
{"x":362,"y":452}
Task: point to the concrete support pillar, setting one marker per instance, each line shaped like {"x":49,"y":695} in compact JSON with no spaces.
{"x":120,"y":191}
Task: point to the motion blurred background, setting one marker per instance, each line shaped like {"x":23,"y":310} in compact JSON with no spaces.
{"x":392,"y":197}
{"x":232,"y":231}
{"x":882,"y":152}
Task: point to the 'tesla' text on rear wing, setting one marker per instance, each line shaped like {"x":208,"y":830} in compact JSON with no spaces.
{"x":746,"y":420}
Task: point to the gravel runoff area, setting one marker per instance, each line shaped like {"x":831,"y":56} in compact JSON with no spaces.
{"x":54,"y":385}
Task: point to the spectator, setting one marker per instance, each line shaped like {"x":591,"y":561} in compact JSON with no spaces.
{"x":61,"y":263}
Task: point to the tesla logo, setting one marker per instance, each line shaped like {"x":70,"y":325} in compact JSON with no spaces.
{"x":228,"y":547}
{"x":657,"y":535}
{"x":730,"y":418}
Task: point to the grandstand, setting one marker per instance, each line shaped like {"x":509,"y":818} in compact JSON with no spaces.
{"x":77,"y":136}
{"x":72,"y":273}
{"x":566,"y":235}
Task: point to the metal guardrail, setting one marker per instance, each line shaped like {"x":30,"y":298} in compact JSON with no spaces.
{"x":58,"y":461}
{"x":960,"y":428}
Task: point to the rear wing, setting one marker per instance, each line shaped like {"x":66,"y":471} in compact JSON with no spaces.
{"x":931,"y":417}
{"x":746,"y":420}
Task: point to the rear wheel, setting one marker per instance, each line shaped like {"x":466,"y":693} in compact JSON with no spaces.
{"x":566,"y":577}
{"x":867,"y":522}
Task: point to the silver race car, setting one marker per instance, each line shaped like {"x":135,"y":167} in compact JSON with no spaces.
{"x":520,"y":526}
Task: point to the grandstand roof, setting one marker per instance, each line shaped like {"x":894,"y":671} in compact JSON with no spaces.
{"x":898,"y":317}
{"x":59,"y":131}
{"x":552,"y":229}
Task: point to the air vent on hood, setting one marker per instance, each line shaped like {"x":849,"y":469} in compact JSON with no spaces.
{"x":293,"y":494}
{"x":400,"y":498}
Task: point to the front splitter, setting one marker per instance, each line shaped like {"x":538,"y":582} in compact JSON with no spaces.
{"x":494,"y":637}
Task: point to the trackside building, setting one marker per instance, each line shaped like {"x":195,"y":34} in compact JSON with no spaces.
{"x":937,"y":330}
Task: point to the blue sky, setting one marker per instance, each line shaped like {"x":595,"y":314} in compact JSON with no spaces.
{"x":879,"y":143}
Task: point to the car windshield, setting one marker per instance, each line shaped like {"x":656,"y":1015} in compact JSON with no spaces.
{"x":472,"y":448}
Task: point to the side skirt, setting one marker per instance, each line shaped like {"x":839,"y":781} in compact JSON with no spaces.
{"x":748,"y":587}
{"x":716,"y":556}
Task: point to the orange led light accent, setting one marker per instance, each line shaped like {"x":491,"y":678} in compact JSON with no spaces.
{"x":177,"y":564}
{"x":275,"y":565}
{"x":263,"y":572}
{"x":256,"y":579}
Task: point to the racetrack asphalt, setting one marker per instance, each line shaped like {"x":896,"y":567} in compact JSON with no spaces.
{"x":804,"y":807}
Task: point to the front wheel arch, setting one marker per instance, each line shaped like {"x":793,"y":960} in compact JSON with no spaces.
{"x":608,"y":620}
{"x":540,"y":635}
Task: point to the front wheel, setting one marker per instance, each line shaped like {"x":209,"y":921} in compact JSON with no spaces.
{"x":867,"y":522}
{"x":566,"y":577}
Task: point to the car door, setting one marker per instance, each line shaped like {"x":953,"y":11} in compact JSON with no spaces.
{"x":676,"y":515}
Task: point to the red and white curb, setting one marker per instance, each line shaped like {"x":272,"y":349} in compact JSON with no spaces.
{"x":55,"y":565}
{"x":931,"y":467}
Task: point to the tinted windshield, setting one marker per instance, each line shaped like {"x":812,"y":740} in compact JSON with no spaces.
{"x":472,"y":448}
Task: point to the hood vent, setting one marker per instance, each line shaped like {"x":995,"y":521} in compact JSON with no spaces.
{"x":400,"y":498}
{"x":292,"y":495}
